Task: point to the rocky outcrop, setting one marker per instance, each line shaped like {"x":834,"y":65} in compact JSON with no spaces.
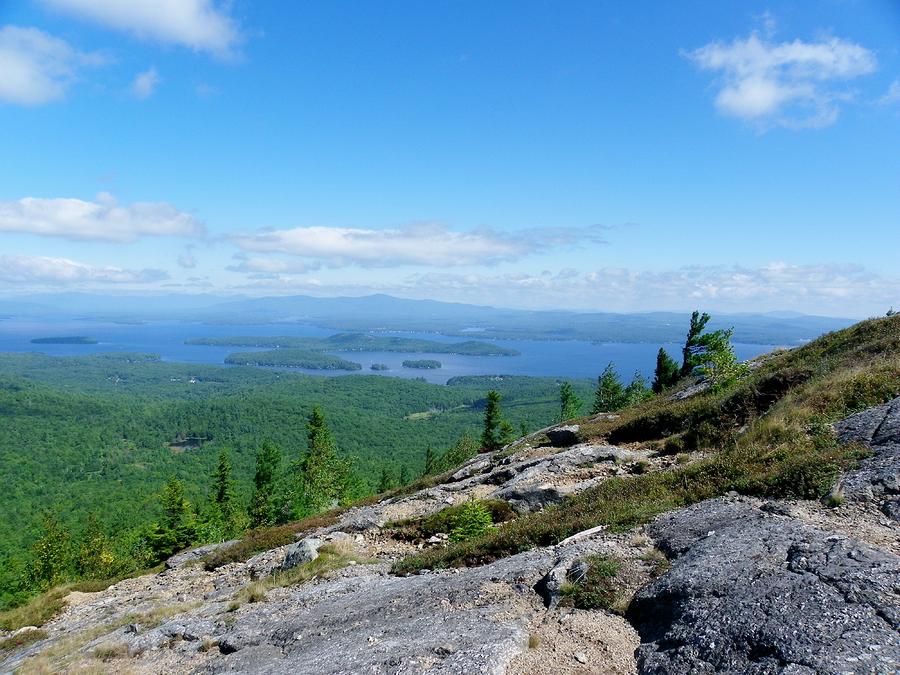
{"x":751,"y":591}
{"x":878,"y":477}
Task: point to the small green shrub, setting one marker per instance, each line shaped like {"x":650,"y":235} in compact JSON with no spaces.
{"x":473,"y":520}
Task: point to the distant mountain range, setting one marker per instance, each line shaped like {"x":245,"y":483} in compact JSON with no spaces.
{"x":387,"y":313}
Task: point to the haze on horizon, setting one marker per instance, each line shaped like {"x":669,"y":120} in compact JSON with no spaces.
{"x":591,"y":156}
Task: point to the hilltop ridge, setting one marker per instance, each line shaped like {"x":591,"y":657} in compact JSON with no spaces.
{"x":752,"y":527}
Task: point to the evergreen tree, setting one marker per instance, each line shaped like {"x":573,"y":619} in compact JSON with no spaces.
{"x":692,"y":343}
{"x":492,"y":436}
{"x":570,"y":403}
{"x":386,"y":482}
{"x":667,"y":371}
{"x":474,"y":519}
{"x":710,"y":354}
{"x":324,"y":477}
{"x":177,"y":528}
{"x":404,"y":478}
{"x":222,"y":521}
{"x":430,"y":461}
{"x":268,"y":464}
{"x":637,"y":390}
{"x":610,"y":394}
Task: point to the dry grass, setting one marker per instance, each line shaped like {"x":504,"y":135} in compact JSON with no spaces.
{"x":332,"y":556}
{"x":24,"y":638}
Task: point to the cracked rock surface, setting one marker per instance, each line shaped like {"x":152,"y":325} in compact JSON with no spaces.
{"x":878,"y":477}
{"x":755,"y":592}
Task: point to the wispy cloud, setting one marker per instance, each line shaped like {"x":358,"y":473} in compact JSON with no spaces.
{"x":427,"y":244}
{"x":44,"y":271}
{"x":201,"y":25}
{"x":265,"y":267}
{"x":789,"y":84}
{"x":37,"y":68}
{"x":103,"y":220}
{"x":892,"y":95}
{"x":144,"y":84}
{"x":846,"y":290}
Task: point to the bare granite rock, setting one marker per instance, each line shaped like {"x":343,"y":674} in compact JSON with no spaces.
{"x":753,"y":592}
{"x":878,"y":477}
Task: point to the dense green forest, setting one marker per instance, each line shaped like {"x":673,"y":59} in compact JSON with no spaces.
{"x":292,"y":358}
{"x":101,"y":435}
{"x":359,"y":342}
{"x":425,"y":364}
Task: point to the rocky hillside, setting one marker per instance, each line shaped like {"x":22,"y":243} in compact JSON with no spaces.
{"x":751,"y":529}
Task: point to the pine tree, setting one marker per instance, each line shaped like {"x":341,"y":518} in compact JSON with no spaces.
{"x":404,"y":478}
{"x":491,"y":437}
{"x":610,"y":394}
{"x":637,"y":389}
{"x":386,"y":482}
{"x":268,"y":463}
{"x":691,"y":344}
{"x":324,"y":477}
{"x":222,"y":521}
{"x":177,"y":528}
{"x":667,"y":371}
{"x":570,"y":403}
{"x":430,"y":461}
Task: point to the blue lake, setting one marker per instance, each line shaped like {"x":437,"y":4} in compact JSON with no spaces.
{"x":569,"y":359}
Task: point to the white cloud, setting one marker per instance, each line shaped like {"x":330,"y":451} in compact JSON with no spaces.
{"x":892,"y":95}
{"x":201,"y":25}
{"x":837,"y":290}
{"x":789,"y":84}
{"x":264,"y":267}
{"x":428,"y":244}
{"x":44,"y":271}
{"x":103,"y":219}
{"x":37,"y":68}
{"x":144,"y":84}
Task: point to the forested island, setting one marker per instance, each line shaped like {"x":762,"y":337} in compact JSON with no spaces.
{"x":292,"y":358}
{"x":379,"y":366}
{"x":64,"y":340}
{"x":359,"y":342}
{"x":425,"y":364}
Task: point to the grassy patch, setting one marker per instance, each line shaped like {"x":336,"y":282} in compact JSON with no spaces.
{"x":22,"y":639}
{"x":331,"y":557}
{"x":109,"y":651}
{"x":592,"y":583}
{"x":267,"y":538}
{"x":446,"y":519}
{"x":41,"y":608}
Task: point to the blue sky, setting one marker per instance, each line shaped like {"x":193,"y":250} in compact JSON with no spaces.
{"x":597,"y":155}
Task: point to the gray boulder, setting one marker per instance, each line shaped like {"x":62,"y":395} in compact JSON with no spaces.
{"x":304,"y":551}
{"x":751,"y":592}
{"x":563,"y":436}
{"x":878,"y":477}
